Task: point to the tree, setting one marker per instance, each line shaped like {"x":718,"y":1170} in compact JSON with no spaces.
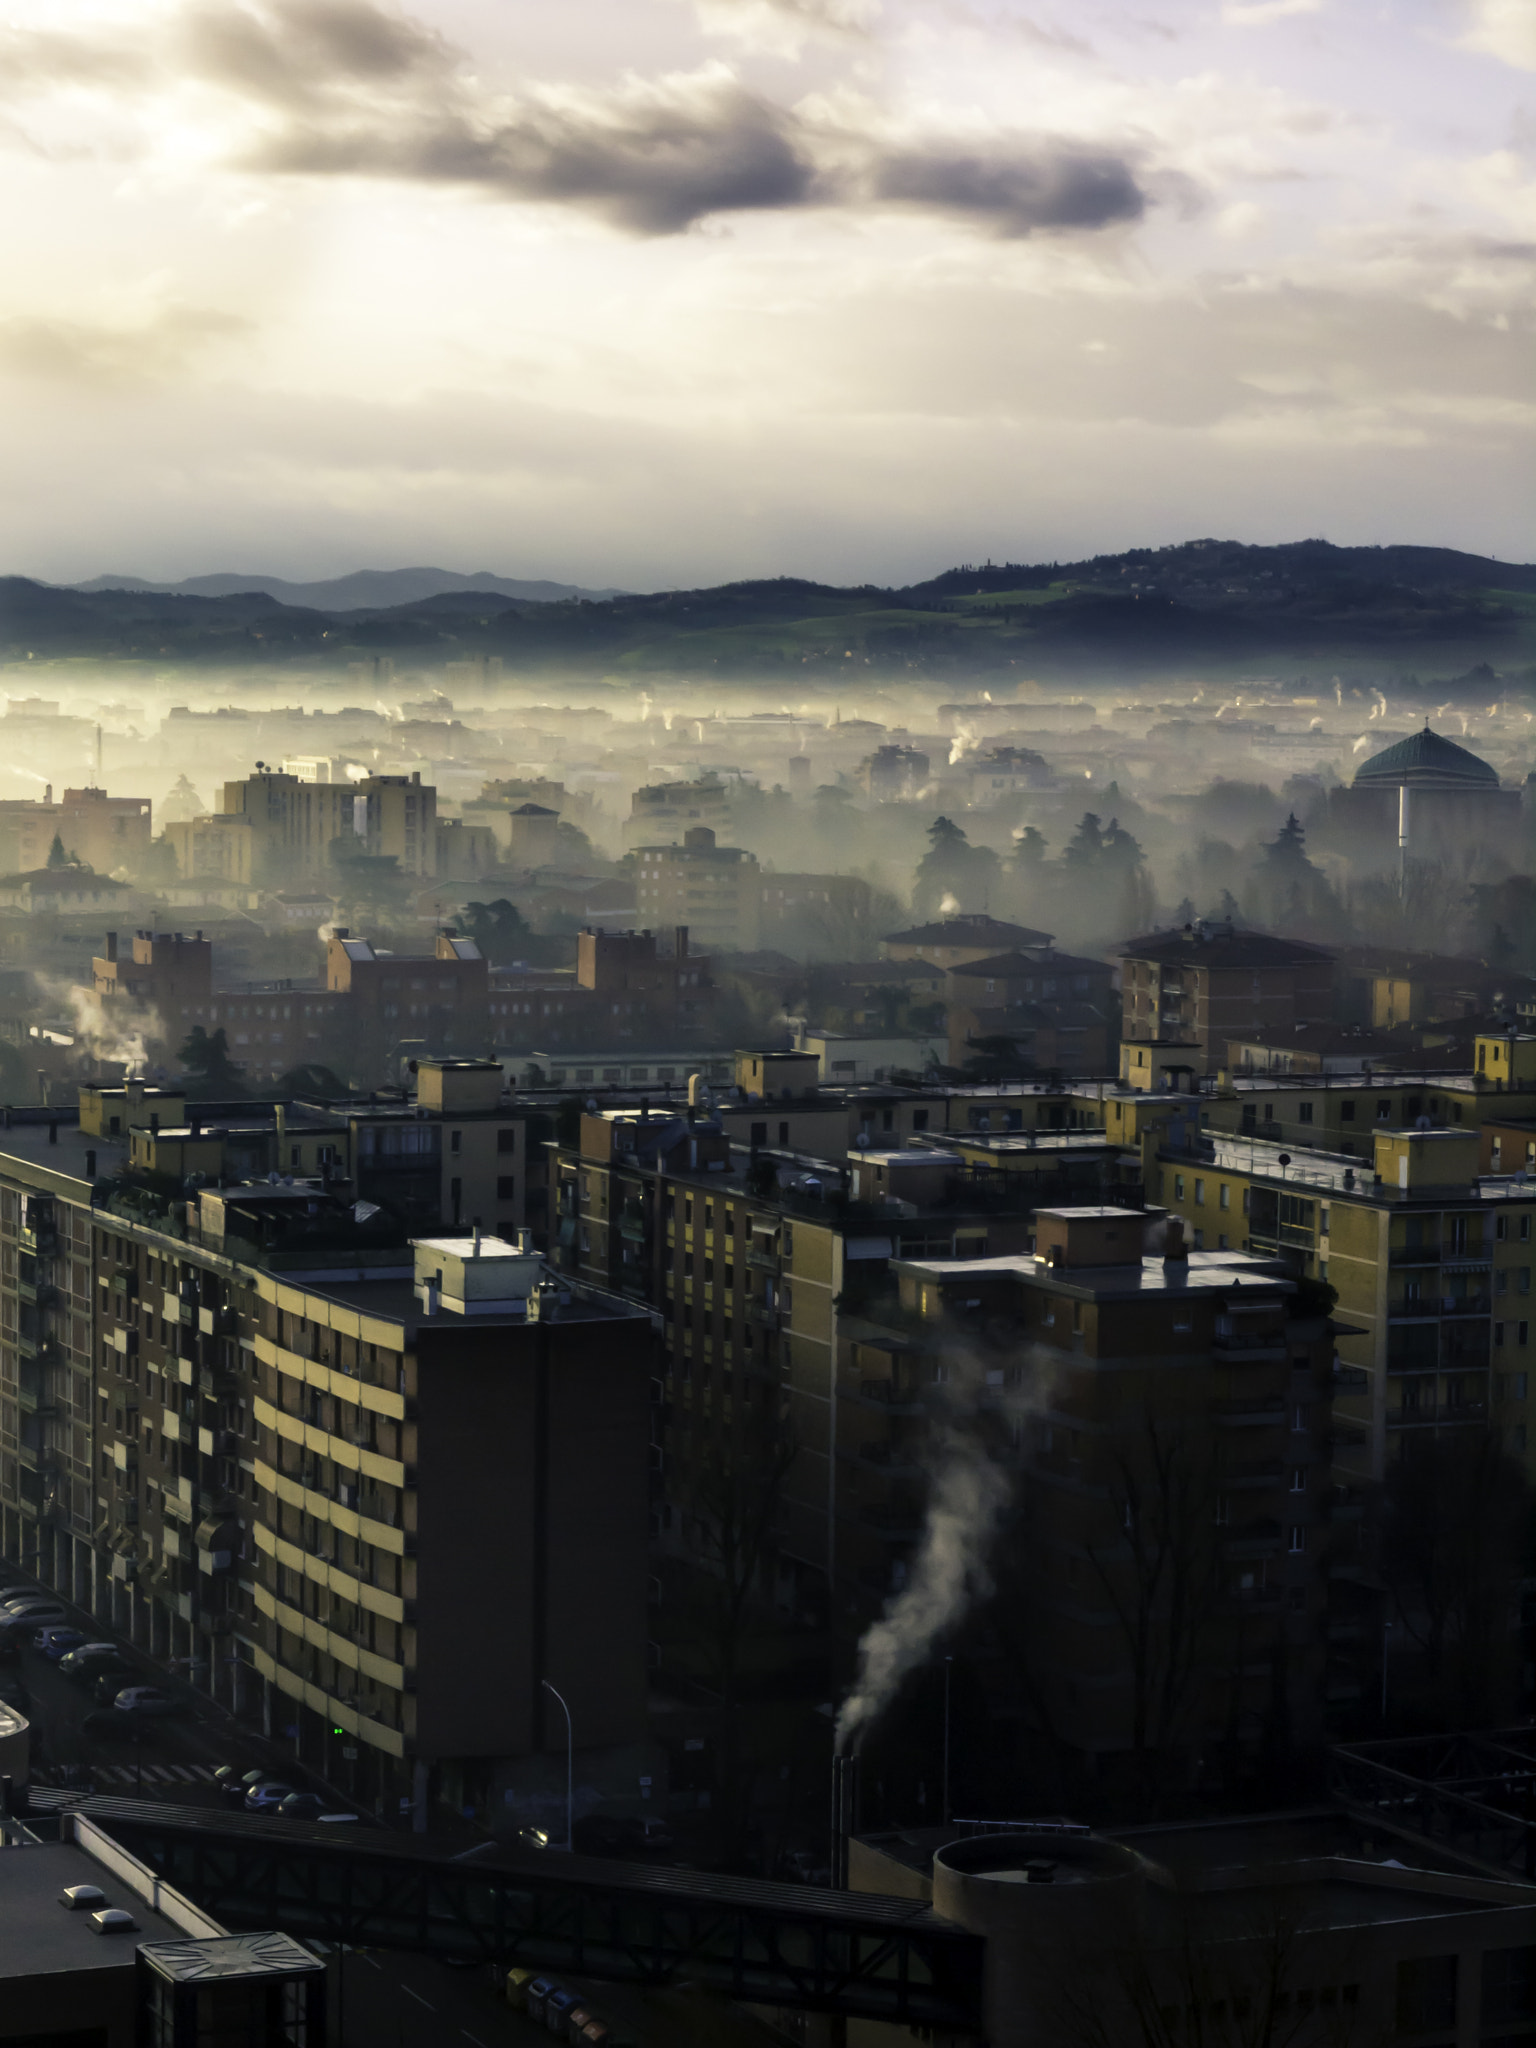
{"x":57,"y":857}
{"x":496,"y":928}
{"x":1161,"y":1573}
{"x":205,"y":1055}
{"x":313,"y":1077}
{"x":953,"y":875}
{"x":1456,"y":1542}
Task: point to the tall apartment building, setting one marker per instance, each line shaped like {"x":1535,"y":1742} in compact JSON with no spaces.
{"x":715,"y":891}
{"x":218,"y":848}
{"x":892,"y":774}
{"x":1432,"y":1262}
{"x":105,"y":832}
{"x":760,"y":1279}
{"x":370,"y":1487}
{"x":292,"y":822}
{"x":1209,"y":982}
{"x":1165,"y":1422}
{"x":667,"y":808}
{"x":399,"y":821}
{"x":439,"y":1004}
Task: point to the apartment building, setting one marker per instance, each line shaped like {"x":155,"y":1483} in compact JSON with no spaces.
{"x":105,"y":832}
{"x":380,"y":1490}
{"x":292,"y":822}
{"x":715,"y":891}
{"x":217,"y":848}
{"x":1165,"y":1417}
{"x":950,"y":942}
{"x":1209,"y":982}
{"x":760,"y":1278}
{"x":1431,"y":1259}
{"x":396,"y":819}
{"x":667,"y":808}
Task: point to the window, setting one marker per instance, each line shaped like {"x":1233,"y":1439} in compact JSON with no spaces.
{"x":1178,"y":1187}
{"x":1304,"y":1112}
{"x":1199,"y":1240}
{"x":1298,"y":1542}
{"x":919,"y":1119}
{"x":1221,"y":1243}
{"x":1522,"y":1334}
{"x":1498,"y":1336}
{"x":1518,"y":1384}
{"x":1384,"y":1109}
{"x":1199,"y":1194}
{"x":1500,"y":1223}
{"x":1509,"y":1984}
{"x":1298,"y":1479}
{"x":506,"y":1140}
{"x":506,"y":1188}
{"x":1224,"y":1199}
{"x":1525,"y":1229}
{"x":1346,"y":1112}
{"x":1426,"y":1993}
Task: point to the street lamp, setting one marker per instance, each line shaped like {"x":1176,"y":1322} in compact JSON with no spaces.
{"x":570,"y":1759}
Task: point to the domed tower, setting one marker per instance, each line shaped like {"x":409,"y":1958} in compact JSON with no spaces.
{"x":1439,"y":797}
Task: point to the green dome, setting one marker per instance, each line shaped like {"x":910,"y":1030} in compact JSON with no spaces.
{"x":1424,"y":757}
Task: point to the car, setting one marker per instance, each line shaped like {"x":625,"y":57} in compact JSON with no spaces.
{"x":119,"y":1726}
{"x":57,"y":1642}
{"x":267,"y":1796}
{"x":35,"y":1612}
{"x":148,"y":1700}
{"x":93,"y":1660}
{"x":34,"y":1596}
{"x":610,"y":1834}
{"x":301,"y":1806}
{"x":109,"y":1684}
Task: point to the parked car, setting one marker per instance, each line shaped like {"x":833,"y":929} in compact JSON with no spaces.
{"x":30,"y":1596}
{"x":267,"y":1795}
{"x":123,"y":1727}
{"x":27,"y":1616}
{"x":106,"y":1686}
{"x":308,"y":1806}
{"x":148,"y":1700}
{"x":57,"y":1642}
{"x":94,"y":1660}
{"x":614,"y":1834}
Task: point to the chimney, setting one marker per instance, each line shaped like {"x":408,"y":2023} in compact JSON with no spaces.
{"x":681,"y":947}
{"x":1175,"y":1252}
{"x":475,"y":1243}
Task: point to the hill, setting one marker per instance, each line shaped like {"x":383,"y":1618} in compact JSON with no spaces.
{"x":363,"y":590}
{"x":1208,"y":607}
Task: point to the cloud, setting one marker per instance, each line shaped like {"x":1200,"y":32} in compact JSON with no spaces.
{"x":1258,"y":13}
{"x":348,"y":89}
{"x":71,"y":351}
{"x":1057,"y":187}
{"x":785,"y":26}
{"x":1505,"y":29}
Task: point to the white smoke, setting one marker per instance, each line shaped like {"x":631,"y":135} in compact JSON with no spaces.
{"x":1361,"y":743}
{"x":969,"y":1491}
{"x":949,"y":904}
{"x":101,"y":1038}
{"x":963,"y":742}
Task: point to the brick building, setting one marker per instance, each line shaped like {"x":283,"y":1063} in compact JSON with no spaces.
{"x":1210,"y":982}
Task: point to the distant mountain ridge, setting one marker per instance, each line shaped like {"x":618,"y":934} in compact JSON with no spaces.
{"x":1203,"y":606}
{"x":364,"y":590}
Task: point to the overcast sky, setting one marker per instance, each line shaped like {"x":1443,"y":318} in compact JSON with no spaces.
{"x":665,"y":291}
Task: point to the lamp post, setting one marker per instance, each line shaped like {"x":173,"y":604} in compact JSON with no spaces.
{"x":570,"y":1760}
{"x":949,"y":1665}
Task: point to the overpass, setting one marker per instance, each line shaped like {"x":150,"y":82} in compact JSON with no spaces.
{"x":852,"y":1953}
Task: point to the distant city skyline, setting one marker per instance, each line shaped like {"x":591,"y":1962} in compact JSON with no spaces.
{"x":664,"y":292}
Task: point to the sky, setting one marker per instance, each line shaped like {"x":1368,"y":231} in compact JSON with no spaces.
{"x":664,"y":292}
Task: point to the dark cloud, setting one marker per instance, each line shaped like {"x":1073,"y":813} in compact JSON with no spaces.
{"x":1051,"y":187}
{"x":348,"y":88}
{"x":652,"y":159}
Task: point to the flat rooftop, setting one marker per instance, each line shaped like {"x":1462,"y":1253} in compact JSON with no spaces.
{"x":1151,"y":1276}
{"x":30,"y":1146}
{"x":41,"y":1938}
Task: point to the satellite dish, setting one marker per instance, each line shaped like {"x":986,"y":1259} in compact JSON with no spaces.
{"x":591,"y":1105}
{"x":862,"y":1141}
{"x":1423,"y":1124}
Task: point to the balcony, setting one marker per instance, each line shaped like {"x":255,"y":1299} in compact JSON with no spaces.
{"x":1414,"y":1255}
{"x":1252,"y":1539}
{"x":897,"y":1397}
{"x":1266,"y":1348}
{"x":1251,"y":1414}
{"x":761,"y":1257}
{"x":764,"y":1314}
{"x":1253,"y":1473}
{"x":1440,"y":1305}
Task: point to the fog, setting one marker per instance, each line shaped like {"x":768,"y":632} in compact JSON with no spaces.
{"x":862,"y":805}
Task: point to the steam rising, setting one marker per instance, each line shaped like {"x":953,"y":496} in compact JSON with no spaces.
{"x":969,"y":1493}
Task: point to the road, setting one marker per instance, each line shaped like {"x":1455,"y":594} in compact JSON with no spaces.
{"x":380,"y":1998}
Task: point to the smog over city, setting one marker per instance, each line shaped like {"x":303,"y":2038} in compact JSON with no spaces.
{"x":768,"y":1023}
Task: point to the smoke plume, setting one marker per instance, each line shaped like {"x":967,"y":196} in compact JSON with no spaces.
{"x":968,"y":1494}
